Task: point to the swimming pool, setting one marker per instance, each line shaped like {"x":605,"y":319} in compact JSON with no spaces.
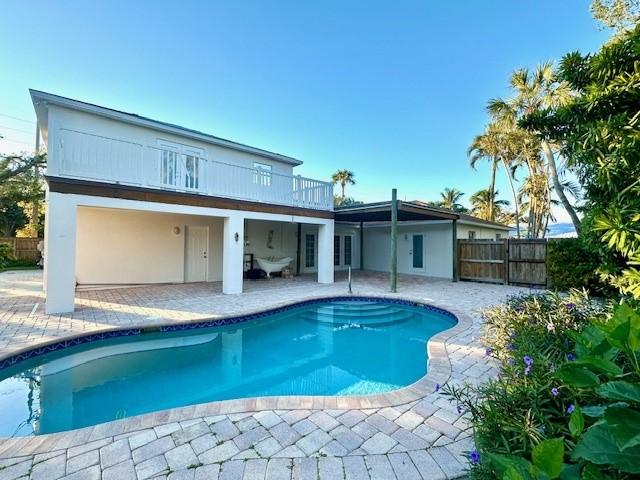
{"x":327,"y":347}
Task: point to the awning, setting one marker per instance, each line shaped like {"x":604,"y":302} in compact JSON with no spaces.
{"x":381,"y":212}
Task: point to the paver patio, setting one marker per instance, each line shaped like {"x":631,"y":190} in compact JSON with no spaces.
{"x":421,"y":438}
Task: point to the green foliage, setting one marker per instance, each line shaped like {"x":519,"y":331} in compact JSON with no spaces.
{"x":617,"y":14}
{"x":572,"y":264}
{"x":6,"y":255}
{"x":567,"y":401}
{"x":514,"y":413}
{"x":600,"y":133}
{"x":21,"y":189}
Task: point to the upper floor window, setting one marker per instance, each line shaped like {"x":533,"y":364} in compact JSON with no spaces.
{"x":180,"y":165}
{"x":472,"y":234}
{"x":262,"y":174}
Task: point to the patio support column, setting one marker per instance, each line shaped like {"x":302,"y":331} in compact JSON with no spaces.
{"x":454,"y":253}
{"x":325,"y":252}
{"x":233,"y":254}
{"x":393,"y":276}
{"x":361,"y":245}
{"x":60,"y":253}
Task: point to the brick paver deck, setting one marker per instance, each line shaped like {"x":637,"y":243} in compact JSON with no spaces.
{"x":311,"y":438}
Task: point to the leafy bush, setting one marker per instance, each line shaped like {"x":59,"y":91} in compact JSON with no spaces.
{"x":522,"y":413}
{"x":571,"y":264}
{"x":6,"y":255}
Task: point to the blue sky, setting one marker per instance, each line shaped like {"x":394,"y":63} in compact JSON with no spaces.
{"x":394,"y":91}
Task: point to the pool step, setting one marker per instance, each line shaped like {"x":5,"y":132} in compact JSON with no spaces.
{"x":396,"y":316}
{"x":358,"y":312}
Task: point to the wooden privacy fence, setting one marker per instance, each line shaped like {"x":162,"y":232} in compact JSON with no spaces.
{"x":23,"y":248}
{"x":509,"y":261}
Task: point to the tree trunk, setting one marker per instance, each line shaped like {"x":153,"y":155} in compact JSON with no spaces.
{"x":557,"y":187}
{"x":515,"y":197}
{"x":492,"y":187}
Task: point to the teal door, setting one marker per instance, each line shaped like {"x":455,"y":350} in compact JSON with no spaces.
{"x":418,"y":252}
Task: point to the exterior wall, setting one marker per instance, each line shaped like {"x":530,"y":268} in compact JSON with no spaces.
{"x":64,"y":118}
{"x":127,"y":247}
{"x":438,"y":249}
{"x":482,"y":232}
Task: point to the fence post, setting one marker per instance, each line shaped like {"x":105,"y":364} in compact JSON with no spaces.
{"x":506,"y":261}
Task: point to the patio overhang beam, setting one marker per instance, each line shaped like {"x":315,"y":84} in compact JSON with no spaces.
{"x":381,"y":212}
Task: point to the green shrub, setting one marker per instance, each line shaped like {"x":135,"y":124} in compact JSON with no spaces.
{"x":526,"y":406}
{"x":6,"y":255}
{"x":571,"y":264}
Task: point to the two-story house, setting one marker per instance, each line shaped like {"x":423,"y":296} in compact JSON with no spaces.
{"x":133,"y":200}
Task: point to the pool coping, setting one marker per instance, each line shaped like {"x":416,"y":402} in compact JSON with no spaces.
{"x":439,"y":370}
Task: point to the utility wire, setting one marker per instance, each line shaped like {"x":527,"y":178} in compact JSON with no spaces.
{"x":15,"y":129}
{"x":17,"y":118}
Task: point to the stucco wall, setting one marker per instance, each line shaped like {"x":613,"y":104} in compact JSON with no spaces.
{"x":127,"y":247}
{"x":482,"y":232}
{"x":438,"y":249}
{"x":63,"y":118}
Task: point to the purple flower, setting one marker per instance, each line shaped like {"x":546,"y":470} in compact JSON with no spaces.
{"x":459,"y":409}
{"x":528,"y":361}
{"x":474,"y":456}
{"x":571,"y":357}
{"x":570,"y":306}
{"x":519,"y":308}
{"x":511,"y":346}
{"x":555,"y":392}
{"x":437,"y":387}
{"x":488,"y":352}
{"x":570,"y":408}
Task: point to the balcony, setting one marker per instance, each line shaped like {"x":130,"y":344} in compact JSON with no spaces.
{"x":100,"y":158}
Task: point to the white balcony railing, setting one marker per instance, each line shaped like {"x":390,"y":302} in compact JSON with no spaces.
{"x":99,"y":158}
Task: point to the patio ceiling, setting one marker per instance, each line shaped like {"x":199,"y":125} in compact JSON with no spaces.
{"x":381,"y":212}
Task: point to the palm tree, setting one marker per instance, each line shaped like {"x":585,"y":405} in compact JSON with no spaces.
{"x":535,"y":92}
{"x":449,"y":199}
{"x":485,"y":206}
{"x":344,"y":178}
{"x":485,"y":146}
{"x":501,"y":144}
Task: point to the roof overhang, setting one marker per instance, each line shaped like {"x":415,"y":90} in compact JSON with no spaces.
{"x":41,"y":101}
{"x":381,"y":212}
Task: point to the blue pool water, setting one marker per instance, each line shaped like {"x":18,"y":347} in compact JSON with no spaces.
{"x":336,"y":348}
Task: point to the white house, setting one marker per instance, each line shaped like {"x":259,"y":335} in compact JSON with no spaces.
{"x":133,"y":200}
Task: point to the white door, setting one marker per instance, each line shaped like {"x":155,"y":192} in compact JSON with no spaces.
{"x":196,"y":253}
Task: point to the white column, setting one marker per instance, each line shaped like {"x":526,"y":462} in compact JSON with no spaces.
{"x":232,"y":254}
{"x":60,"y":253}
{"x":325,"y":252}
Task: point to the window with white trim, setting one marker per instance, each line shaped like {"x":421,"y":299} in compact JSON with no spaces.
{"x":262,"y":175}
{"x":180,"y":165}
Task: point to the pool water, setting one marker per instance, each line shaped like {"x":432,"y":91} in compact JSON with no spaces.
{"x":337,"y":348}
